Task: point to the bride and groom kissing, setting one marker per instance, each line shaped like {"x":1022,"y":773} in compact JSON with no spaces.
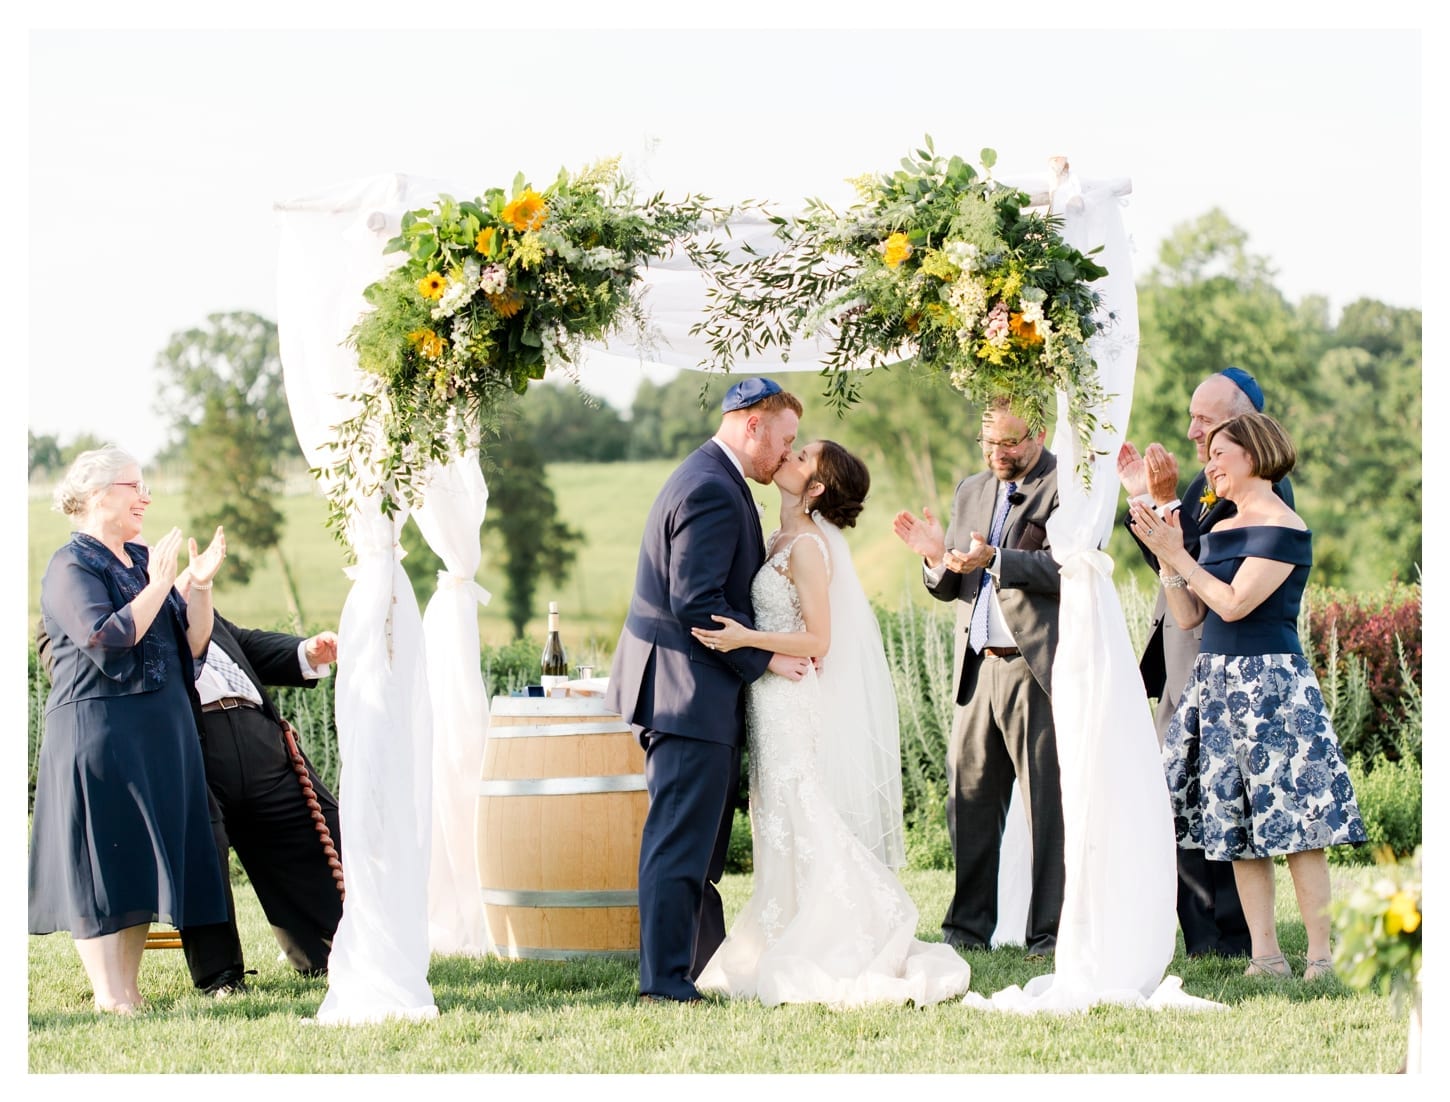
{"x":726,"y":635}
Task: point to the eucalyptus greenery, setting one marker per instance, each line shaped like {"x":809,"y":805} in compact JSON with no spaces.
{"x":936,"y":263}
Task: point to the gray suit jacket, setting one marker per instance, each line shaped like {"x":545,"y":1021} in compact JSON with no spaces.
{"x":1028,"y":583}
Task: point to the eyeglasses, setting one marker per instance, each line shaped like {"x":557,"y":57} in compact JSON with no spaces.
{"x":1005,"y":445}
{"x":142,"y":490}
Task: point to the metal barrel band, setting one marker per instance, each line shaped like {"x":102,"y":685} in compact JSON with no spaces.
{"x":563,"y":786}
{"x":551,"y":729}
{"x":524,"y":897}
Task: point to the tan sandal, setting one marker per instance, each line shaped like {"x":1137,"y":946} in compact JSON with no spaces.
{"x":1318,"y":969}
{"x":1275,"y":966}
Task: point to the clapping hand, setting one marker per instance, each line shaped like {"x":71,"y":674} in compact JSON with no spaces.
{"x":161,"y":564}
{"x":923,"y":536}
{"x":976,"y":556}
{"x":203,"y":568}
{"x":1159,"y":534}
{"x":1162,"y":473}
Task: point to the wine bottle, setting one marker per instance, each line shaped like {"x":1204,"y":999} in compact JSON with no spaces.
{"x":554,"y":665}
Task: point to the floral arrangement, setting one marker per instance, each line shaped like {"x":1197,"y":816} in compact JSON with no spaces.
{"x":491,"y":292}
{"x":1379,"y":930}
{"x":935,"y":262}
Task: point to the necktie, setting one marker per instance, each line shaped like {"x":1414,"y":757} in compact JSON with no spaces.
{"x":977,"y":634}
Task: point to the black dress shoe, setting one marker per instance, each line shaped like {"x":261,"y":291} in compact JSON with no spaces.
{"x":232,"y":981}
{"x":961,"y":944}
{"x":647,"y":998}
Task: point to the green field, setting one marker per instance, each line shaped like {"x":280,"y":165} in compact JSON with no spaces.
{"x":506,"y":1017}
{"x":607,"y":502}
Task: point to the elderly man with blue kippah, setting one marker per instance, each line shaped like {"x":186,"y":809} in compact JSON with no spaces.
{"x":1208,"y":902}
{"x":701,"y":548}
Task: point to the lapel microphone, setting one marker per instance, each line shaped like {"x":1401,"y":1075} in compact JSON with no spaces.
{"x":1016,"y":497}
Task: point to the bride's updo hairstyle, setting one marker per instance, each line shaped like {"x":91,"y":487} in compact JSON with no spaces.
{"x":846,"y":481}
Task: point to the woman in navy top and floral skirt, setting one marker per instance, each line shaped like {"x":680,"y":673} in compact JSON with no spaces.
{"x":1254,"y":770}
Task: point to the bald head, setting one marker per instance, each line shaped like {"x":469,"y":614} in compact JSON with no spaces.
{"x":1216,"y":400}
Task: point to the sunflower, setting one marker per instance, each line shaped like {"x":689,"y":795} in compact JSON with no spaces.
{"x":431,"y":285}
{"x":506,"y":305}
{"x":1025,"y":331}
{"x":527,"y":212}
{"x":428,"y":342}
{"x":1402,"y":914}
{"x":484,"y":242}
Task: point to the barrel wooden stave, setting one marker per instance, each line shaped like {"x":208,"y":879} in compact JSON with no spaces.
{"x":586,"y":842}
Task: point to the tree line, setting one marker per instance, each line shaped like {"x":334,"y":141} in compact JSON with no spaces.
{"x":1348,"y":390}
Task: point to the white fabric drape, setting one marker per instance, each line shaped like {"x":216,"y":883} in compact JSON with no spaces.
{"x":331,"y":248}
{"x":1116,"y":935}
{"x":453,"y":508}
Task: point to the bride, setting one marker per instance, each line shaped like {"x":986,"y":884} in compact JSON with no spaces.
{"x":827,"y":921}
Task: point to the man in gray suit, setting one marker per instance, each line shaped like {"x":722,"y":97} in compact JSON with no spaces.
{"x":995,"y":563}
{"x":1209,"y":911}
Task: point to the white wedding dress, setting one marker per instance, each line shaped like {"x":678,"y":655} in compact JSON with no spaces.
{"x":827,"y":921}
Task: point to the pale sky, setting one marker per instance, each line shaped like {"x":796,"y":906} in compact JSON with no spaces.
{"x":155,"y":156}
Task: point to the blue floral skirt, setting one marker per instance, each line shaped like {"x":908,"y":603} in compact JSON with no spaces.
{"x":1253,"y":767}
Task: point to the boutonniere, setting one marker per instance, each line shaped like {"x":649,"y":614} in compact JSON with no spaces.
{"x":1207,"y":500}
{"x":759,"y":508}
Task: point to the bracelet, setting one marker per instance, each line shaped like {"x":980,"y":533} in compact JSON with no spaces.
{"x":1172,"y":581}
{"x":1190,"y":574}
{"x":198,"y":585}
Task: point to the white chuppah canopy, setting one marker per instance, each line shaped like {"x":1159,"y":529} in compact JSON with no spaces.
{"x":411,"y":730}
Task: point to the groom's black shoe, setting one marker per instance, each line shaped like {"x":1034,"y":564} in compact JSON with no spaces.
{"x":962,"y":945}
{"x":647,"y":998}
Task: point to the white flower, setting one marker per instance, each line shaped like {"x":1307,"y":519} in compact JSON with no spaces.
{"x":493,"y":279}
{"x":962,"y":253}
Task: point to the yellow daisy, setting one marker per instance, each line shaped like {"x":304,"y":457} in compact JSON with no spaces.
{"x":431,"y":285}
{"x":896,"y":249}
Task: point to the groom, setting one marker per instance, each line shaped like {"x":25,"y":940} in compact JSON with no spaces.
{"x":701,"y":548}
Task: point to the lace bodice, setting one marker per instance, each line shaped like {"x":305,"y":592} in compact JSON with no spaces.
{"x":774,"y":597}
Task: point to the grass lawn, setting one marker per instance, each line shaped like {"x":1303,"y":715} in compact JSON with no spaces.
{"x":506,"y":1017}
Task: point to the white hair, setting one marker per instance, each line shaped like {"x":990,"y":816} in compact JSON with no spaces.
{"x":91,"y":473}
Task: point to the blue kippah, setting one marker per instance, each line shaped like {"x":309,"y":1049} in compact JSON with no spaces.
{"x":1245,"y":382}
{"x":746,"y":393}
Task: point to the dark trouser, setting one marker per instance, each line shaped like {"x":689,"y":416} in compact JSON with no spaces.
{"x":259,"y":810}
{"x":1001,"y":736}
{"x":1209,"y":912}
{"x":692,"y":785}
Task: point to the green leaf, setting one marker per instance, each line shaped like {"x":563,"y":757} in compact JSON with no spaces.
{"x":425,"y":246}
{"x":519,"y":184}
{"x":989,"y":157}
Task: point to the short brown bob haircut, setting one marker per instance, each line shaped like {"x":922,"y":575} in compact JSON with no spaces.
{"x":1271,"y":452}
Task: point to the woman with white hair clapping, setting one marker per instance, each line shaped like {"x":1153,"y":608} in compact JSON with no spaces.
{"x":121,"y":836}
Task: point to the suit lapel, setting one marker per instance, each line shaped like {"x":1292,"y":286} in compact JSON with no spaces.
{"x":712,"y":449}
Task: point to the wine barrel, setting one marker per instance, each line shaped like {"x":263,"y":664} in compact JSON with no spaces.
{"x":561,"y":807}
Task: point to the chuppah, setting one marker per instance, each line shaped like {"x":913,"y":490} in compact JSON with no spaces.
{"x":410,"y":729}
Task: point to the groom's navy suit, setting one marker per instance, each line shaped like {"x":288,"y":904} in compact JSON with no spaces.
{"x":701,"y":548}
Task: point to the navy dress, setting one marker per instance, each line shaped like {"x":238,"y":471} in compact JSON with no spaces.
{"x":1253,"y":767}
{"x":121,"y":835}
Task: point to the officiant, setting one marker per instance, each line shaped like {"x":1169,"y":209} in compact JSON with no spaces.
{"x":995,"y":563}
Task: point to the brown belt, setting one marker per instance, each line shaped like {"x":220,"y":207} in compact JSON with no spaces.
{"x":1001,"y":652}
{"x":227,"y":703}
